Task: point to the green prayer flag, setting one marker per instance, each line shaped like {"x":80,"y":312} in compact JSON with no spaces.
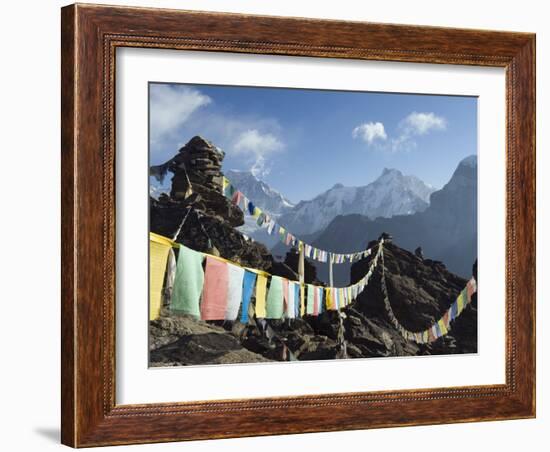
{"x":310,"y":299}
{"x":274,"y":308}
{"x":188,"y":282}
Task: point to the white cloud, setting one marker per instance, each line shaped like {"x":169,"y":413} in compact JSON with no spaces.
{"x":171,"y":106}
{"x":177,"y":112}
{"x":416,"y":124}
{"x":422,"y":123}
{"x":257,"y":146}
{"x":412,"y":126}
{"x":370,"y":132}
{"x":252,"y":141}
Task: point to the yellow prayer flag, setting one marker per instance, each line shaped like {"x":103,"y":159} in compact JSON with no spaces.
{"x":460,"y":303}
{"x":328,"y":298}
{"x":425,"y":337}
{"x":158,"y":256}
{"x":261,"y":285}
{"x":442,"y":326}
{"x":302,"y":300}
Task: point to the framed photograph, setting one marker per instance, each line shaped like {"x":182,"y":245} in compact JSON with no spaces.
{"x":255,"y":208}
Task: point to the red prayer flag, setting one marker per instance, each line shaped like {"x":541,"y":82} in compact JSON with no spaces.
{"x":214,"y":295}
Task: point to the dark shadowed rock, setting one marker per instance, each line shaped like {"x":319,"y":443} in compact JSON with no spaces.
{"x":420,"y":292}
{"x":182,"y":340}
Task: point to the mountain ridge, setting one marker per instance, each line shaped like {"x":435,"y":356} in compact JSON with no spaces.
{"x":390,"y":194}
{"x":442,"y":230}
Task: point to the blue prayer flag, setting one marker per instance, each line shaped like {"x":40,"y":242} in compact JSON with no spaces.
{"x":248,"y":287}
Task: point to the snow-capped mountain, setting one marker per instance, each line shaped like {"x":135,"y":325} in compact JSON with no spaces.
{"x":262,"y":195}
{"x":259,"y":192}
{"x":446,"y":230}
{"x":392,"y":193}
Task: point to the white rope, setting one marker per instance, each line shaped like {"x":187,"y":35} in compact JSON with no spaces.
{"x":182,"y":223}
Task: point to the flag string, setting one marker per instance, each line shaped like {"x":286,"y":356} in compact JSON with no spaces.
{"x":439,"y":328}
{"x":363,"y":281}
{"x":267,"y":221}
{"x":288,"y":295}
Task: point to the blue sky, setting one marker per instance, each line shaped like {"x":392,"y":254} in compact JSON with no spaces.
{"x":302,"y":142}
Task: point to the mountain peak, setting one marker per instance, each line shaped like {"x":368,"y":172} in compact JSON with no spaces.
{"x":392,"y":171}
{"x":242,"y":175}
{"x":470,"y":161}
{"x":392,"y":193}
{"x":259,"y":192}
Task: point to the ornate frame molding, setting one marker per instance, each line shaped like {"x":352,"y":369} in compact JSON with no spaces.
{"x":90,"y":37}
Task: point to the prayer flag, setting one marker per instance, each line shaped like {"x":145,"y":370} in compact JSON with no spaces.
{"x":310,"y":306}
{"x":248,"y":287}
{"x":158,"y":256}
{"x":471,"y":288}
{"x":302,"y":288}
{"x":234,"y":291}
{"x":261,"y":296}
{"x":328,"y":295}
{"x":230,"y":191}
{"x":274,"y":308}
{"x":188,"y":282}
{"x":296,"y":298}
{"x":236,"y":197}
{"x":442,"y":327}
{"x":316,"y":300}
{"x":225,"y":187}
{"x":290,"y":299}
{"x":461,"y":303}
{"x":446,"y":319}
{"x":170,"y":276}
{"x":243,"y":202}
{"x":214,"y":296}
{"x":288,"y":239}
{"x":437,"y":330}
{"x":453,"y":310}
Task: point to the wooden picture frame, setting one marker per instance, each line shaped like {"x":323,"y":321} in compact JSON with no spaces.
{"x":90,"y":36}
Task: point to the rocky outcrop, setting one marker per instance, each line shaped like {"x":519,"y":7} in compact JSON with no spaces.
{"x":420,"y":290}
{"x":206,"y":219}
{"x":182,"y":340}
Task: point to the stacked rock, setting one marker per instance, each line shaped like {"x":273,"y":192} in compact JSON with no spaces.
{"x":198,"y":162}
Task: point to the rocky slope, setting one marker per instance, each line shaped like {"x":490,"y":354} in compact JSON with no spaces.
{"x":420,"y":289}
